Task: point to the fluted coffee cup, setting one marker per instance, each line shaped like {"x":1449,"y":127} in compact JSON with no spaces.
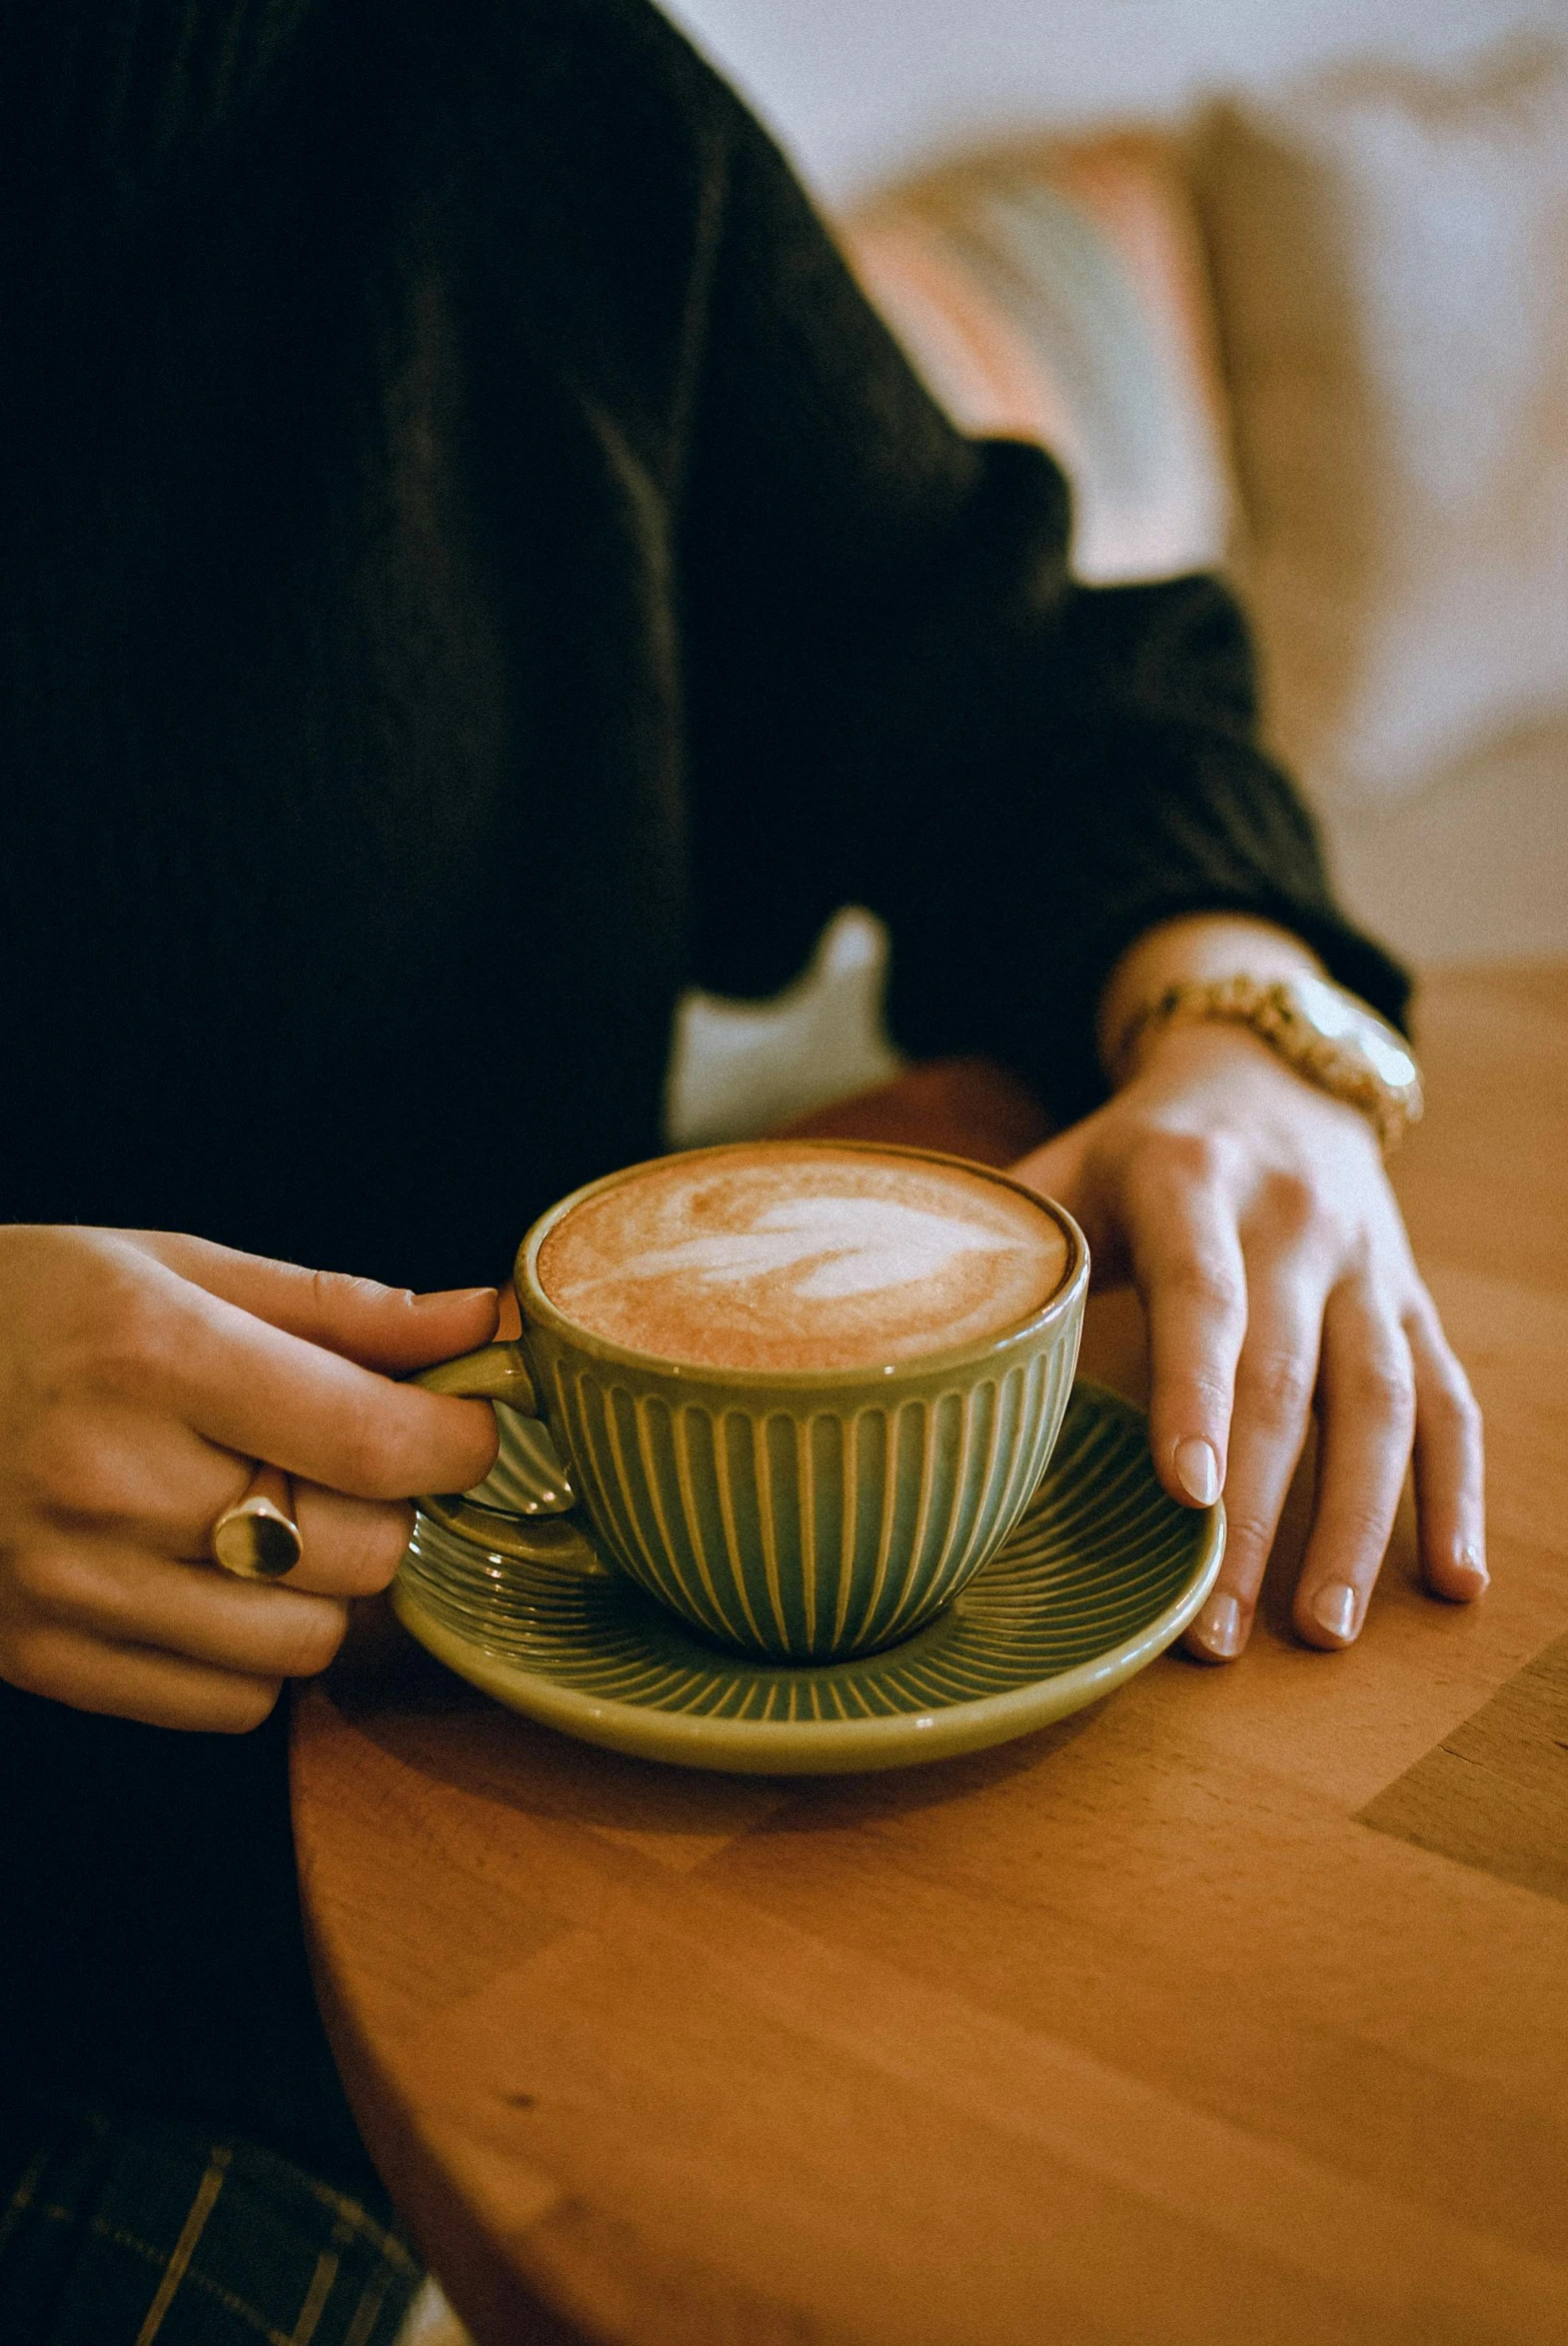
{"x":804,"y":1511}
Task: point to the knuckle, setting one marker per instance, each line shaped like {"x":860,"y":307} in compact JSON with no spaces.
{"x":246,"y":1705}
{"x":336,"y":1293}
{"x":1278,"y":1388}
{"x":1195,"y":1160}
{"x":1292,"y":1202}
{"x":374,"y":1547}
{"x":1248,"y":1537}
{"x":30,"y":1660}
{"x":314,"y":1639}
{"x":325,"y":1291}
{"x":138,"y":1345}
{"x":127,"y":1314}
{"x":1360,"y":1534}
{"x":65,"y":1471}
{"x":1382,"y":1389}
{"x":44,"y":1467}
{"x":1209,"y":1286}
{"x":1456,"y":1406}
{"x":35,"y":1578}
{"x":1210,"y":1392}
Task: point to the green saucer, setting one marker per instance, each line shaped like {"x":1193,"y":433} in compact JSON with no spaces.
{"x":1101,"y":1574}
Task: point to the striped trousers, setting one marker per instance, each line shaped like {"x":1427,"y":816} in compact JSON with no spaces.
{"x":133,"y":2231}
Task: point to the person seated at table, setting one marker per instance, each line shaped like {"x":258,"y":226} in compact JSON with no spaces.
{"x":474,"y":565}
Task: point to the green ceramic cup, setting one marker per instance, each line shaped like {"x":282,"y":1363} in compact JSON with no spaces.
{"x":802,"y":1514}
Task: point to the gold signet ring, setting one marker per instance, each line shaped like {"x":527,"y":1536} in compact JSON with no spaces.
{"x":257,"y":1538}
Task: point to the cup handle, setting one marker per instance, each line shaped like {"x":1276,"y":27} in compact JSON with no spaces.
{"x":496,"y":1372}
{"x":499,"y":1372}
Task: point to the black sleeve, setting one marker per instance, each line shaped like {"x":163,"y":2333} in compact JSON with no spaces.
{"x":898,"y":696}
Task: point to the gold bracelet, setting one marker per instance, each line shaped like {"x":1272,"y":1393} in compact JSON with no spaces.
{"x":1323,"y":1032}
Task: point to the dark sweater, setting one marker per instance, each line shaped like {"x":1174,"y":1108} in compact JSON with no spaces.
{"x":472,"y":565}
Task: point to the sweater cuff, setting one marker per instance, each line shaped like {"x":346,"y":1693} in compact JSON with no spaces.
{"x":1069,"y":1071}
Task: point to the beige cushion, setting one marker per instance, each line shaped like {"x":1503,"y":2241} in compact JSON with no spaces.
{"x":1056,"y":294}
{"x":1390,"y":264}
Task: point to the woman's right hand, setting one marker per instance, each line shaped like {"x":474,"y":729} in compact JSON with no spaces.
{"x":142,"y":1374}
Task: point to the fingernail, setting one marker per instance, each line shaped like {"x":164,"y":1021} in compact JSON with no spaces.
{"x":1219,"y":1625}
{"x":1334,"y":1609}
{"x":1469,"y":1565}
{"x":458,"y":1295}
{"x":1197,"y":1471}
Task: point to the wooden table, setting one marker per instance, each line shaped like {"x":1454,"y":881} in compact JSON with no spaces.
{"x":1236,"y":2009}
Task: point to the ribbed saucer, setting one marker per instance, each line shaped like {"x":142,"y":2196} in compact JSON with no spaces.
{"x":1101,"y":1574}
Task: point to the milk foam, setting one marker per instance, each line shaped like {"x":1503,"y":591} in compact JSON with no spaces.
{"x":822,"y":1247}
{"x":782,"y":1256}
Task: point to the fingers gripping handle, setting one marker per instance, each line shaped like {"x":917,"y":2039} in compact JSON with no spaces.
{"x":499,"y":1372}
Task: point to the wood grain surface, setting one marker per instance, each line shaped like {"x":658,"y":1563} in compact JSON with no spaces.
{"x":1234,"y":2010}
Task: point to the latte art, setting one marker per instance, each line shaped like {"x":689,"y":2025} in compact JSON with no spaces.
{"x":783,"y":1255}
{"x":822,"y":1247}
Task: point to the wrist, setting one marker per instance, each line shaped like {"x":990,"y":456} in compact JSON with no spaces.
{"x":1196,"y":948}
{"x":1315,"y":1032}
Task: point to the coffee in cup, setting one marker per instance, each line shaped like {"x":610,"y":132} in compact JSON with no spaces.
{"x":778,"y":1257}
{"x":803,"y":1389}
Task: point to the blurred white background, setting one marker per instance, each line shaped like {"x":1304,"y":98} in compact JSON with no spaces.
{"x":860,"y":89}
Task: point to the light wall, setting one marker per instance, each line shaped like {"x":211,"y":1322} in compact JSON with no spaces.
{"x":858,"y":89}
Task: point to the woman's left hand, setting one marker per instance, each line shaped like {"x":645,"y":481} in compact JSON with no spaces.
{"x":1253,"y":1214}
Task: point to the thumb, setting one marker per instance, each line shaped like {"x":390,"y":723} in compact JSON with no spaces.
{"x":389,"y":1328}
{"x":1054,"y":1169}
